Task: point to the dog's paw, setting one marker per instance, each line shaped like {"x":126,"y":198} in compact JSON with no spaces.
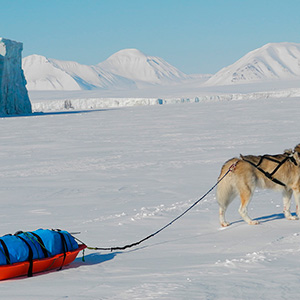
{"x":225,"y":224}
{"x":293,"y":218}
{"x":253,"y":222}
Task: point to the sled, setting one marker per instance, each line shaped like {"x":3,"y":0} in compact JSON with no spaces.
{"x":39,"y":265}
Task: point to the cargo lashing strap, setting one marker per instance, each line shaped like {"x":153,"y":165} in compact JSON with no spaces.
{"x":40,"y":241}
{"x":267,"y":174}
{"x":30,"y":253}
{"x":5,"y":252}
{"x":30,"y":256}
{"x":64,"y":245}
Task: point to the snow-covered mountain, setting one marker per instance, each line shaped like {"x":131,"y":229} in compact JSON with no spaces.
{"x":129,"y":68}
{"x":51,"y":74}
{"x":272,"y":61}
{"x":135,"y":65}
{"x":132,"y":69}
{"x":42,"y":75}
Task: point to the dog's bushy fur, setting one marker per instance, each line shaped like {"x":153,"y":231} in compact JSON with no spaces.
{"x":245,"y":178}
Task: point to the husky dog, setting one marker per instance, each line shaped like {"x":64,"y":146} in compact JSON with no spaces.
{"x":278,"y":172}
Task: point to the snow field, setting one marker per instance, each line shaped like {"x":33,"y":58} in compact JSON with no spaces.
{"x":117,"y":175}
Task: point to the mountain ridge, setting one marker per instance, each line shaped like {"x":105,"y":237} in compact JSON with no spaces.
{"x":51,"y":74}
{"x":126,"y":69}
{"x":132,"y":69}
{"x":273,"y":61}
{"x":137,"y":66}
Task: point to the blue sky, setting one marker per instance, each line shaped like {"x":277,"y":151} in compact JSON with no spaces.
{"x":196,"y":36}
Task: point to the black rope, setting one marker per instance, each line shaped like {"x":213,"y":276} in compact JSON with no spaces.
{"x":231,"y":168}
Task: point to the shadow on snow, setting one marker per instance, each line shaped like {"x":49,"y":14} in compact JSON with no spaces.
{"x":265,"y":219}
{"x":272,"y":217}
{"x":37,"y":114}
{"x":93,"y":259}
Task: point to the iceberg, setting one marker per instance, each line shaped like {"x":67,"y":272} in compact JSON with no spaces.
{"x":13,"y":93}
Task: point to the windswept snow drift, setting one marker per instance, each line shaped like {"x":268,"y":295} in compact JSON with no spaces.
{"x":274,"y":61}
{"x":13,"y":93}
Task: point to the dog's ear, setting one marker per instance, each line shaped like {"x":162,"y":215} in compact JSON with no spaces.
{"x":288,"y":151}
{"x":297,"y":148}
{"x":296,"y":156}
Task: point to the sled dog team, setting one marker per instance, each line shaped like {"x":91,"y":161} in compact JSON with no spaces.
{"x":277,"y":172}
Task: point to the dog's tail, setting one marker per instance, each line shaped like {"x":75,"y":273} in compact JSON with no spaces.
{"x":226,"y":189}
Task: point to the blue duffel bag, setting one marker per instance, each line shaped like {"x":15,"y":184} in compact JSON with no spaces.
{"x":38,"y":244}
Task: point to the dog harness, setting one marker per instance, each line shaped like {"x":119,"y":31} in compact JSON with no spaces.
{"x":268,"y":157}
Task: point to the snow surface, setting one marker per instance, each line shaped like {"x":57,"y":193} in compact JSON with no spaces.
{"x":117,"y":175}
{"x":273,"y":61}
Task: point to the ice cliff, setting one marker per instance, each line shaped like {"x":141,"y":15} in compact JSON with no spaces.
{"x":13,"y":93}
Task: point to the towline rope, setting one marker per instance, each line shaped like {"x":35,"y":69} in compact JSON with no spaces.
{"x":231,"y":168}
